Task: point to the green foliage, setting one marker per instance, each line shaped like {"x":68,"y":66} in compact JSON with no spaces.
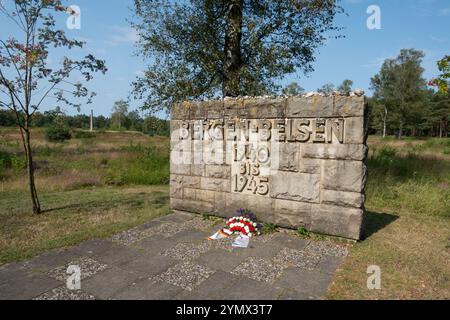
{"x":119,"y":114}
{"x":442,"y":82}
{"x":5,"y":160}
{"x":150,"y":167}
{"x":185,"y":43}
{"x":293,"y":89}
{"x":18,"y":163}
{"x":58,"y":133}
{"x":303,"y":232}
{"x":346,"y":87}
{"x":401,"y":99}
{"x":268,"y":228}
{"x":84,"y":135}
{"x":327,"y":88}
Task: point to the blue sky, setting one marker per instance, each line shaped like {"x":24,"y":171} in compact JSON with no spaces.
{"x":420,"y":24}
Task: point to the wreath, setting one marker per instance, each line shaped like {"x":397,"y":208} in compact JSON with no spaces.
{"x":243,"y":222}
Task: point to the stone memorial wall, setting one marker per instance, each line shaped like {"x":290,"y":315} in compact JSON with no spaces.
{"x":296,"y":162}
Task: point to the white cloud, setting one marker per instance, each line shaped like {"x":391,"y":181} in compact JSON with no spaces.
{"x":438,"y":39}
{"x":123,"y":35}
{"x":444,"y":12}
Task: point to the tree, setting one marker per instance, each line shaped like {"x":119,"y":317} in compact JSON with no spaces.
{"x":293,"y":89}
{"x":443,"y":80}
{"x":206,"y":48}
{"x":400,"y":85}
{"x":26,"y":81}
{"x":346,"y":87}
{"x":326,"y":88}
{"x":134,"y":121}
{"x":119,"y":113}
{"x":441,"y":100}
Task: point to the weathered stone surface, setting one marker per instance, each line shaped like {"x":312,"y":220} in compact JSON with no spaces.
{"x":354,"y":130}
{"x":310,"y":165}
{"x":178,"y":182}
{"x":262,"y":205}
{"x":285,"y":158}
{"x":197,"y":169}
{"x":315,"y":106}
{"x":180,"y":163}
{"x":344,"y":175}
{"x":349,"y":106}
{"x":215,"y":110}
{"x":289,"y":154}
{"x":335,"y":220}
{"x":180,"y":111}
{"x":197,"y":110}
{"x":218,"y":171}
{"x":292,"y":213}
{"x":295,"y":186}
{"x":199,"y":195}
{"x":191,"y":205}
{"x":334,"y":151}
{"x":343,"y":198}
{"x":261,"y":109}
{"x":215,"y":184}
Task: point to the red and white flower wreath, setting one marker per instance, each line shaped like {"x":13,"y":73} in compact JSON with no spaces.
{"x":241,"y":225}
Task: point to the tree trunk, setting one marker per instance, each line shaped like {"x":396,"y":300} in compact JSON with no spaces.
{"x":233,"y":59}
{"x":400,"y":130}
{"x":384,"y":122}
{"x":30,"y":171}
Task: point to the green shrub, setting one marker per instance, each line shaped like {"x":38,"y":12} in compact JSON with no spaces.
{"x":269,"y":228}
{"x":149,"y":168}
{"x":18,"y":163}
{"x":5,"y":160}
{"x":387,"y":152}
{"x":58,"y":133}
{"x":84,"y":135}
{"x":303,"y":232}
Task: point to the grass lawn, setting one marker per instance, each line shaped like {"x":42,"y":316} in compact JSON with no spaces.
{"x":95,"y":187}
{"x":88,"y":187}
{"x":408,"y":204}
{"x":73,"y":216}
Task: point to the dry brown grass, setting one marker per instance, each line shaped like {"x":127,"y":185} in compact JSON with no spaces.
{"x":73,"y":216}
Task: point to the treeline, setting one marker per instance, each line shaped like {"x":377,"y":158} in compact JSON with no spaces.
{"x":403,"y":102}
{"x":131,"y":121}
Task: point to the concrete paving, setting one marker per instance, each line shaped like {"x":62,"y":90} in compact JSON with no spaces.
{"x":170,"y":258}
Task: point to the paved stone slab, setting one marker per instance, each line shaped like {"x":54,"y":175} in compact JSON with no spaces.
{"x":94,"y":247}
{"x":213,"y":287}
{"x":258,"y":269}
{"x":62,"y":293}
{"x":187,"y":251}
{"x":51,"y":259}
{"x":106,"y":284}
{"x":117,"y":254}
{"x":313,"y":283}
{"x":219,"y":259}
{"x":186,"y":275}
{"x":148,"y":289}
{"x":175,"y":261}
{"x":88,"y":268}
{"x":148,"y":265}
{"x":249,"y":289}
{"x":27,"y":287}
{"x":288,"y":257}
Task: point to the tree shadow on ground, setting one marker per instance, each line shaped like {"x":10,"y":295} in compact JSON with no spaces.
{"x":375,"y":221}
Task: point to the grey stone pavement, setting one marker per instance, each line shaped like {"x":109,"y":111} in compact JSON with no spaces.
{"x":170,"y":258}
